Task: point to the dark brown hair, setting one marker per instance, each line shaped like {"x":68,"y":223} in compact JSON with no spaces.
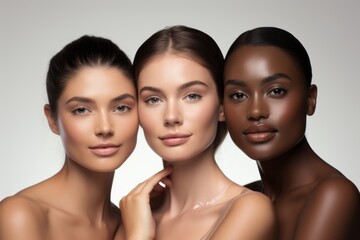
{"x":82,"y":52}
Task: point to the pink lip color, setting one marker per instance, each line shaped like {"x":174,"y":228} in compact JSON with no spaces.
{"x":104,"y":150}
{"x":174,"y":139}
{"x":259,"y":133}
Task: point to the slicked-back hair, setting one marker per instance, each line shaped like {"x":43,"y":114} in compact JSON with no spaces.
{"x":86,"y":51}
{"x":276,"y":37}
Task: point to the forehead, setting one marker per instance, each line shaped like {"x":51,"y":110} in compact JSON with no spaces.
{"x":255,"y":59}
{"x":173,"y":68}
{"x":96,"y":81}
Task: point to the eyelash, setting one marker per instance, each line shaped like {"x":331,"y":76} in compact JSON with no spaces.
{"x":191,"y":95}
{"x":84,"y":110}
{"x":80,"y":111}
{"x":238,"y":96}
{"x":277,"y":92}
{"x":152,"y":100}
{"x":124,"y":108}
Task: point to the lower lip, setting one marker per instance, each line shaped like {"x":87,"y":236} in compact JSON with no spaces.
{"x":260,"y":137}
{"x":175,"y":141}
{"x":105,"y":152}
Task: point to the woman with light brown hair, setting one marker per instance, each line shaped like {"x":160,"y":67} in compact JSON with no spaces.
{"x":178,"y":72}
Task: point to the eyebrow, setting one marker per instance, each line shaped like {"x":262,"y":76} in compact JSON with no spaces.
{"x":89,"y":100}
{"x":182,"y":87}
{"x":266,"y":80}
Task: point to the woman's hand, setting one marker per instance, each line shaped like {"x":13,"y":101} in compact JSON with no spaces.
{"x":137,"y":218}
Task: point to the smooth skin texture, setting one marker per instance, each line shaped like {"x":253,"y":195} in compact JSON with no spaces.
{"x":97,"y":121}
{"x":266,"y":104}
{"x":135,"y":206}
{"x":179,"y":110}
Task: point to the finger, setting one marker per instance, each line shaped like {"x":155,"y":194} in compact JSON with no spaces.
{"x":158,"y":188}
{"x":153,"y":181}
{"x":167,"y":182}
{"x":137,"y":188}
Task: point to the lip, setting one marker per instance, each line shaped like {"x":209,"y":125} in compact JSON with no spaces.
{"x":174,"y":139}
{"x":259,"y":133}
{"x":105,"y":150}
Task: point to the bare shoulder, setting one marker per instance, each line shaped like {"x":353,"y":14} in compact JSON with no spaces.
{"x":333,"y":206}
{"x":21,"y":218}
{"x":336,"y":189}
{"x":334,"y":197}
{"x":254,"y":203}
{"x":250,"y":216}
{"x":19,"y":207}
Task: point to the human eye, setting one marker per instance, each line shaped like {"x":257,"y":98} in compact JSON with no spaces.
{"x":122,"y":108}
{"x":80,"y":111}
{"x":152,"y":100}
{"x":277,"y":92}
{"x":238,"y":96}
{"x":193,"y":96}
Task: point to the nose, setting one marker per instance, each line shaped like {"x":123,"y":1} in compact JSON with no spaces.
{"x":258,"y":109}
{"x":104,"y":126}
{"x":172,"y":115}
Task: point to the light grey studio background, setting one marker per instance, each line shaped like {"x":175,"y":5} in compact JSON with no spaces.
{"x":31,"y":32}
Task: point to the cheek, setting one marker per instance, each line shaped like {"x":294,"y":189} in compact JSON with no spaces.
{"x":234,"y":115}
{"x":204,"y":121}
{"x":128,"y":126}
{"x":203,"y":118}
{"x":288,"y":115}
{"x":150,"y":119}
{"x":73,"y":131}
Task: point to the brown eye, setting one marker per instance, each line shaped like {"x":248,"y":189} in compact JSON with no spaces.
{"x":239,"y":96}
{"x":277,"y":92}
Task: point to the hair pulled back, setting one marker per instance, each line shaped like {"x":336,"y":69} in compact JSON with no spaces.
{"x":86,"y":51}
{"x":192,"y":43}
{"x":276,"y":37}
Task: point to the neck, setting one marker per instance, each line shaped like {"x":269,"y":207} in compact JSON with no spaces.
{"x":289,"y":171}
{"x":86,"y":193}
{"x":196,"y":182}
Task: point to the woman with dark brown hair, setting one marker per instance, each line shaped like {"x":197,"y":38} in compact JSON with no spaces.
{"x":93,"y":108}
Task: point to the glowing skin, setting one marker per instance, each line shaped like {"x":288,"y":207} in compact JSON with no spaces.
{"x":97,"y":118}
{"x":178,"y":106}
{"x":265,"y":101}
{"x":179,"y":111}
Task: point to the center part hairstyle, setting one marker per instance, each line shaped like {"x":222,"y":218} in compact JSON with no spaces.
{"x":276,"y":37}
{"x":187,"y":42}
{"x":86,"y":51}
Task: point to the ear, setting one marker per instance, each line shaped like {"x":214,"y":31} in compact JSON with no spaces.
{"x":51,"y":119}
{"x":311,"y":102}
{"x":221,"y":117}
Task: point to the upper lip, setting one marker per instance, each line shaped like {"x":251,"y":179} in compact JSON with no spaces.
{"x":174,"y":135}
{"x":104,"y":145}
{"x":259,"y":128}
